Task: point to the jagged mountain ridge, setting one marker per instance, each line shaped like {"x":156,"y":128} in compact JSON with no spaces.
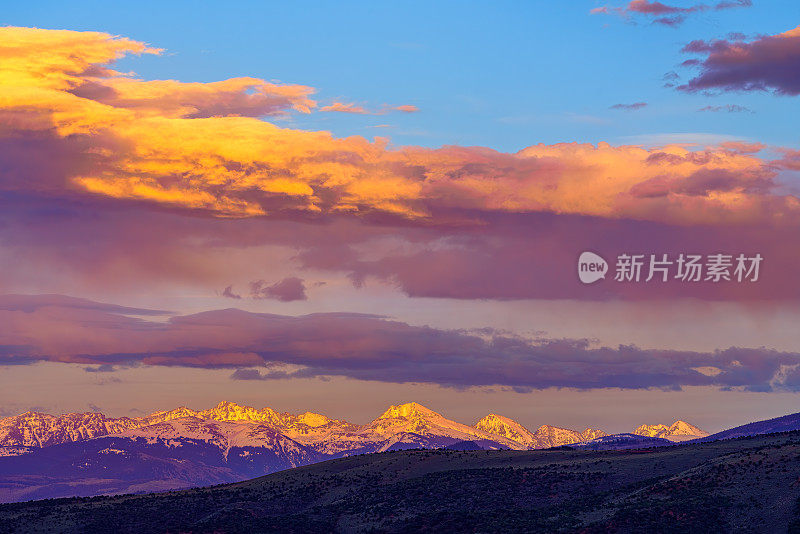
{"x":417,"y":419}
{"x":544,"y":437}
{"x":224,"y":435}
{"x":677,"y":431}
{"x":36,"y":429}
{"x":399,"y":425}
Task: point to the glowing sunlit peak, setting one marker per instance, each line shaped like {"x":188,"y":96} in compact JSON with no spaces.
{"x":313,"y":419}
{"x":408,"y":410}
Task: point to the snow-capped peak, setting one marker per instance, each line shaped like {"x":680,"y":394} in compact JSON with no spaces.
{"x":313,"y":419}
{"x":508,"y":428}
{"x":682,"y":428}
{"x":414,"y":418}
{"x":230,"y":411}
{"x":677,"y":431}
{"x":408,"y":410}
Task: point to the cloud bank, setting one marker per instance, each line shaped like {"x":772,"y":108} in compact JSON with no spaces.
{"x":199,"y":147}
{"x":368,"y":347}
{"x":114,"y":182}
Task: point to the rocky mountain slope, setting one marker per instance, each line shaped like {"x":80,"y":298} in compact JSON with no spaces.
{"x":158,"y":459}
{"x":677,"y":431}
{"x":544,"y":437}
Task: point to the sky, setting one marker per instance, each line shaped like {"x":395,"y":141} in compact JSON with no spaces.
{"x":335,"y":207}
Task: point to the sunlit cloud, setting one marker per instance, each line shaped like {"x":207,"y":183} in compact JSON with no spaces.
{"x":342,"y":107}
{"x":200,"y":147}
{"x":158,"y":181}
{"x":345,"y":108}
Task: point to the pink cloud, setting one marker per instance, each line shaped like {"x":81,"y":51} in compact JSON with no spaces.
{"x":407,"y":108}
{"x":353,"y":108}
{"x":666,"y":14}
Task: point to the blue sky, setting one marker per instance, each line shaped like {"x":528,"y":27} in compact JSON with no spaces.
{"x":498,"y":74}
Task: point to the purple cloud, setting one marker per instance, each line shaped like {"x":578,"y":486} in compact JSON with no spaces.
{"x":287,"y":290}
{"x":262,"y":346}
{"x":228,"y":293}
{"x":730,"y":108}
{"x":767,"y":63}
{"x":666,"y":14}
{"x":629,"y":107}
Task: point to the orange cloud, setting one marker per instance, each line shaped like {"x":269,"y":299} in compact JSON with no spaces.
{"x":199,"y":146}
{"x":248,"y":97}
{"x":406,"y":108}
{"x":345,"y":108}
{"x":353,"y":108}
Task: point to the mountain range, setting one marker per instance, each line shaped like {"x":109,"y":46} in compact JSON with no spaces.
{"x":88,"y":453}
{"x":398,"y":424}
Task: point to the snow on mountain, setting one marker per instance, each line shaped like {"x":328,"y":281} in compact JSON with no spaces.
{"x":34,"y":429}
{"x":399,"y":426}
{"x":507,"y":428}
{"x":15,"y":451}
{"x":225,"y":435}
{"x":324,"y":435}
{"x":678,"y":431}
{"x":155,"y":458}
{"x":553,"y":436}
{"x":230,"y":411}
{"x":545,"y":436}
{"x":417,"y":419}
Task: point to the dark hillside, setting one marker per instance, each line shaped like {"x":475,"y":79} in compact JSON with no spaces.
{"x":743,"y":485}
